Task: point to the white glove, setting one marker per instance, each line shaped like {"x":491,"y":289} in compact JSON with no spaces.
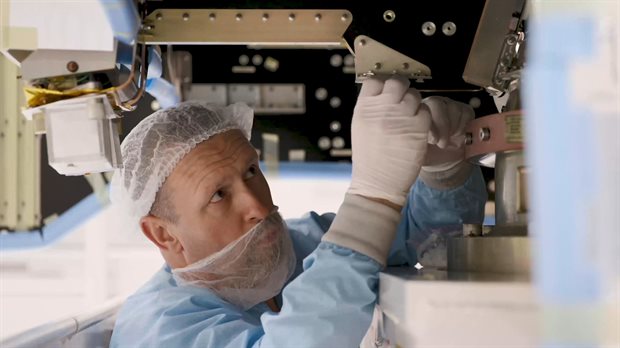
{"x":445,"y":157}
{"x":389,"y":134}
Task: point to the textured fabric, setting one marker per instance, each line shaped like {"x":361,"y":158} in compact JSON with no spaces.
{"x":328,"y":302}
{"x":248,"y":271}
{"x":154,"y":147}
{"x":365,"y":226}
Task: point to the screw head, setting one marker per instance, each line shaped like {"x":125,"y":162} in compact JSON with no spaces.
{"x":318,"y":17}
{"x":186,"y":16}
{"x":469,"y":138}
{"x":159,"y":16}
{"x":72,"y":66}
{"x":484,"y":134}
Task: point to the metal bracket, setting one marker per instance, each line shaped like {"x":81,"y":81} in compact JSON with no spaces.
{"x":246,"y":26}
{"x":373,"y":58}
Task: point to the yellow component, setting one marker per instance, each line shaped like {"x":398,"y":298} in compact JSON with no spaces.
{"x":42,"y":96}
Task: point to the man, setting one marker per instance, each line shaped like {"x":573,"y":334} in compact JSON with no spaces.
{"x":236,"y":275}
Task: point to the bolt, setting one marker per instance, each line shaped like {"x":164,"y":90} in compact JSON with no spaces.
{"x":469,"y":138}
{"x":475,"y":102}
{"x":428,"y":28}
{"x":72,"y":66}
{"x":405,"y":66}
{"x":448,"y":28}
{"x":335,"y":102}
{"x":148,"y":27}
{"x":320,"y":93}
{"x":238,"y":17}
{"x":159,"y":16}
{"x":377,"y":66}
{"x":318,"y":17}
{"x":344,"y":17}
{"x":265,"y":17}
{"x":186,"y":16}
{"x":485,"y":134}
{"x":291,"y":17}
{"x":389,"y":16}
{"x":511,"y":40}
{"x":362,"y":42}
{"x":212,"y":16}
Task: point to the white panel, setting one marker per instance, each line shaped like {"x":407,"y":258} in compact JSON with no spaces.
{"x":70,"y":25}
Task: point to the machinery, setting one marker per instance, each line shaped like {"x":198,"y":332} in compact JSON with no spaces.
{"x":296,"y":64}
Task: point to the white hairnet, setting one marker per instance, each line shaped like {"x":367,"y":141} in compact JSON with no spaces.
{"x":158,"y":143}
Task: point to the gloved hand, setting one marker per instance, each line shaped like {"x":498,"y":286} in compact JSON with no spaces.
{"x":389,"y":134}
{"x":444,"y":165}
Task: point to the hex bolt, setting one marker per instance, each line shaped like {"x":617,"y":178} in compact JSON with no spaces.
{"x":485,"y":134}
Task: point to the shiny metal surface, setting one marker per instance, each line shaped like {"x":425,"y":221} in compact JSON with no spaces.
{"x":247,"y":26}
{"x":495,"y":24}
{"x":511,"y":191}
{"x":488,"y":254}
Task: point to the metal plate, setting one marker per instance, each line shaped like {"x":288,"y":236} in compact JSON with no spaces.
{"x":372,"y":58}
{"x":506,"y":255}
{"x":246,"y":26}
{"x":485,"y":50}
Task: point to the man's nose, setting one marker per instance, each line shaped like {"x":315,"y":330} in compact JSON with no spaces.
{"x":256,"y":208}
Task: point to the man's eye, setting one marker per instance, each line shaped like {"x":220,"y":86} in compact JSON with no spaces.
{"x":218,"y":196}
{"x":251,"y":172}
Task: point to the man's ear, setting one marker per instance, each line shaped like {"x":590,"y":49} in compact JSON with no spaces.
{"x":158,"y":231}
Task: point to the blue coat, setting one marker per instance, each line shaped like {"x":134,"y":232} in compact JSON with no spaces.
{"x":328,"y":302}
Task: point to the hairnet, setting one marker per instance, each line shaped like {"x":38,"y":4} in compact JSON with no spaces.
{"x":158,"y":143}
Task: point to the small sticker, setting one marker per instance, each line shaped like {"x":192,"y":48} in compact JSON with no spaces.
{"x":513,"y":129}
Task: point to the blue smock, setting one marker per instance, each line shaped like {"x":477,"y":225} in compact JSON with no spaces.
{"x":328,"y":302}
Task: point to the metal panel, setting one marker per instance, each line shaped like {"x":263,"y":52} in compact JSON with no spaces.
{"x":19,"y":157}
{"x":46,"y":63}
{"x":495,"y":23}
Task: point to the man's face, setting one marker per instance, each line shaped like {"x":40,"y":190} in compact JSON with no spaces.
{"x":218,"y":194}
